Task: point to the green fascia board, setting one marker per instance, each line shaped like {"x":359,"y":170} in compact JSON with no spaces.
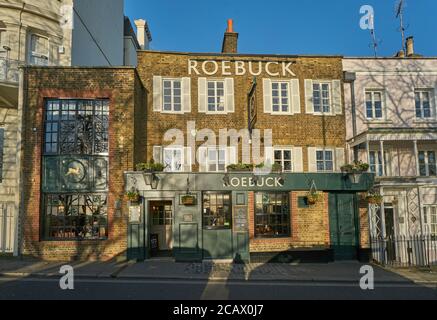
{"x":244,"y":182}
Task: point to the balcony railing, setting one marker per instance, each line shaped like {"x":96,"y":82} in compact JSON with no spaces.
{"x":9,"y":70}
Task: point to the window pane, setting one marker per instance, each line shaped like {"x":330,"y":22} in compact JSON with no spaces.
{"x":217,"y":212}
{"x":272,"y":215}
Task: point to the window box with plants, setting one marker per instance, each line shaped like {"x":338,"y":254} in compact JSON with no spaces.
{"x":240,"y":167}
{"x":148,"y":169}
{"x":274,"y":167}
{"x":355,"y":170}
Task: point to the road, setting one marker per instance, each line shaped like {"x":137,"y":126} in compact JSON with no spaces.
{"x":35,"y":289}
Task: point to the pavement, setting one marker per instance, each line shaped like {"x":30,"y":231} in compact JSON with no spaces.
{"x":166,"y":269}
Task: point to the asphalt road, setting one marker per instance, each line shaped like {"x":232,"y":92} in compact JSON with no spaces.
{"x":35,"y":289}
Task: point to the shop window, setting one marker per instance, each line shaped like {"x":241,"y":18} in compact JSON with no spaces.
{"x":322,"y":97}
{"x":172,"y":95}
{"x":423,"y":104}
{"x":217,"y":210}
{"x":374,"y":104}
{"x":272,"y":215}
{"x":75,"y":217}
{"x":216,"y":96}
{"x":427,"y":163}
{"x":325,"y":160}
{"x":280,"y":97}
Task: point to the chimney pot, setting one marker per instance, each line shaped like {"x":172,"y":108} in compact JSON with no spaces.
{"x":230,"y":26}
{"x":230,"y":41}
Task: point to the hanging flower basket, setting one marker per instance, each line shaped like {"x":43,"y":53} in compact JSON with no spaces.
{"x":133,"y":196}
{"x":313,"y":198}
{"x":374,"y":199}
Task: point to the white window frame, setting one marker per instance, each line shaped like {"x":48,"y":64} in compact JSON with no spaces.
{"x":426,"y":153}
{"x":172,"y":95}
{"x":282,"y":160}
{"x":430,"y":93}
{"x":430,"y":212}
{"x":324,"y":150}
{"x":32,"y":54}
{"x":372,"y":92}
{"x":216,"y":97}
{"x":331,"y":104}
{"x":173,"y":167}
{"x":217,"y":161}
{"x":280,"y":97}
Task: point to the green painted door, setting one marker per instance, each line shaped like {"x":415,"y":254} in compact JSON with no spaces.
{"x":343,"y":225}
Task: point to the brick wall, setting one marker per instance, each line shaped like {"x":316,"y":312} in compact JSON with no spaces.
{"x":299,"y":130}
{"x":309,"y":227}
{"x":118,"y":85}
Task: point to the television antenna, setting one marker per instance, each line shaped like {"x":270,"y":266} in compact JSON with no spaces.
{"x":375,"y":42}
{"x":400,"y":15}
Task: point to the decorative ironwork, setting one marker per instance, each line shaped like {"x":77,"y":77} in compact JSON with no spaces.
{"x":76,"y":148}
{"x":413,"y":211}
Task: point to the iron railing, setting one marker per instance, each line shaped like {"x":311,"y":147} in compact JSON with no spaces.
{"x":9,"y":70}
{"x":405,"y":251}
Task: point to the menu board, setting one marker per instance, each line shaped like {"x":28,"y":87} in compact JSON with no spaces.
{"x":135,"y":214}
{"x":241,"y":222}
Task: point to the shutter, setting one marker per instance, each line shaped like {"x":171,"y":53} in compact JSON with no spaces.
{"x":202,"y":95}
{"x":187,"y":159}
{"x":229,"y":95}
{"x":339,"y":158}
{"x":231,"y":155}
{"x":309,"y":107}
{"x":312,"y":163}
{"x":267,"y":87}
{"x":268,"y":156}
{"x":157,"y":154}
{"x":202,"y":157}
{"x":297,"y":159}
{"x":336,"y":97}
{"x":186,"y":95}
{"x":157,"y":94}
{"x":295,"y":96}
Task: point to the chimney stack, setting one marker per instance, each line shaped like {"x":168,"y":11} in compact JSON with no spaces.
{"x":410,"y":46}
{"x":230,"y":41}
{"x":143,"y":34}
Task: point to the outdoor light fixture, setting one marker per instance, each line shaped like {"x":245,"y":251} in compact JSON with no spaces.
{"x":155,"y":181}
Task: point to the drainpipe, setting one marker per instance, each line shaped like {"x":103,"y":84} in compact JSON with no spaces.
{"x":350,"y":77}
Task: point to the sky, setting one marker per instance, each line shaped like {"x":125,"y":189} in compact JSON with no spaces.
{"x":326,"y":27}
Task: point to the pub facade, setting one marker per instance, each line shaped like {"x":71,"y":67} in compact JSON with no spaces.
{"x":192,"y":156}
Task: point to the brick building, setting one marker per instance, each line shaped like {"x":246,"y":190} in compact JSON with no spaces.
{"x":172,"y":109}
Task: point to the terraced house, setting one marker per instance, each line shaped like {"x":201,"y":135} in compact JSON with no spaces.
{"x":194,"y":198}
{"x":391,"y":117}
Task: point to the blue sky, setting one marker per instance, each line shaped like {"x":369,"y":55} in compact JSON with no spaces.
{"x":285,"y":26}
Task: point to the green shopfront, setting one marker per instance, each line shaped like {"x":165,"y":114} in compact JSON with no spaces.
{"x":242,"y":217}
